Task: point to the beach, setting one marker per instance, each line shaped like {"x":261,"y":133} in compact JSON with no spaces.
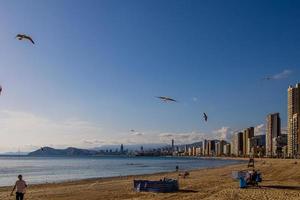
{"x":281,"y":180}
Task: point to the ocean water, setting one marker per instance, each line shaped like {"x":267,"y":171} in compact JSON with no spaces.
{"x":58,"y":169}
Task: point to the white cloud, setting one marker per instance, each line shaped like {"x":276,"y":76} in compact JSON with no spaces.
{"x":224,"y":133}
{"x":137,"y":134}
{"x":260,"y":129}
{"x":26,"y":131}
{"x":182,"y":138}
{"x":282,"y":75}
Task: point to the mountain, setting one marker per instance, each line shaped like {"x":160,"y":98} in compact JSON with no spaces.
{"x":70,"y":151}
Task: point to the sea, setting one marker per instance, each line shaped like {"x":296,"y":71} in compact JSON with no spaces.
{"x":37,"y":170}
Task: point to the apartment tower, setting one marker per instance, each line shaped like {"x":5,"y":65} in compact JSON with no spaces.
{"x":293,"y":120}
{"x":273,"y":130}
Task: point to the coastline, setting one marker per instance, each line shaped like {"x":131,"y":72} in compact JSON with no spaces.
{"x":280,"y":181}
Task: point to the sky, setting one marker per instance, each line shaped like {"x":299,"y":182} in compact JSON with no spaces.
{"x":98,"y":65}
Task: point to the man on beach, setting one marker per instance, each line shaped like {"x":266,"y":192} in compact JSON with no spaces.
{"x":21,"y":188}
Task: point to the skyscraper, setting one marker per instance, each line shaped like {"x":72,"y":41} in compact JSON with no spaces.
{"x":273,"y":130}
{"x":172,"y":145}
{"x":293,"y":119}
{"x":247,"y":135}
{"x":237,"y":144}
{"x":122,"y":148}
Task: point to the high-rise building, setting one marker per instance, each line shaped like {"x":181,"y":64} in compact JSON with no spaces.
{"x":293,"y":120}
{"x":247,"y":135}
{"x":278,"y":145}
{"x":212,"y":147}
{"x":122,"y":148}
{"x":273,"y":130}
{"x":173,"y":145}
{"x":257,"y":145}
{"x":219,"y":147}
{"x":226,"y":150}
{"x":205,"y":148}
{"x":237,"y":144}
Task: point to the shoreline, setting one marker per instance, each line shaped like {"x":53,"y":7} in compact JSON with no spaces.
{"x":145,"y":174}
{"x":280,"y":181}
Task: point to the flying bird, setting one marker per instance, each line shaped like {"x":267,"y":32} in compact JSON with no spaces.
{"x":166,"y":99}
{"x":26,"y":37}
{"x":0,"y":89}
{"x":205,"y":117}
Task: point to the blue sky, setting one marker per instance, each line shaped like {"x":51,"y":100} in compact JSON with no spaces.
{"x":99,"y":64}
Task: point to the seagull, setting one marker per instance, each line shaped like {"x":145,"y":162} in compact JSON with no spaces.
{"x":166,"y":99}
{"x":23,"y":36}
{"x":0,"y":89}
{"x":205,"y":116}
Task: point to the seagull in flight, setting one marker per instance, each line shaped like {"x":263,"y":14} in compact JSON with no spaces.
{"x":26,"y":37}
{"x":166,"y":99}
{"x":205,"y":116}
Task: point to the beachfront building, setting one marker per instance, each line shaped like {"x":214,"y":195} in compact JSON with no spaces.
{"x":247,"y":135}
{"x":293,"y":120}
{"x":211,"y":147}
{"x":199,"y":151}
{"x":205,"y":148}
{"x":227,"y":149}
{"x":237,"y":144}
{"x":278,"y":145}
{"x":273,"y":130}
{"x":257,"y":145}
{"x":220,"y":147}
{"x":172,"y":146}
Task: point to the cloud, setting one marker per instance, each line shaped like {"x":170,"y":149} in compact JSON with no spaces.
{"x":260,"y":129}
{"x":195,"y":99}
{"x":224,"y":133}
{"x":182,"y":138}
{"x":94,"y":142}
{"x":27,"y":131}
{"x":282,"y":75}
{"x":137,"y":134}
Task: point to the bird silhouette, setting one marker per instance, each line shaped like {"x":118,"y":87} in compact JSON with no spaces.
{"x":205,"y":116}
{"x":166,"y":99}
{"x":26,"y":37}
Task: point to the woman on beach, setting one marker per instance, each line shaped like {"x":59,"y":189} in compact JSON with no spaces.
{"x":20,"y":185}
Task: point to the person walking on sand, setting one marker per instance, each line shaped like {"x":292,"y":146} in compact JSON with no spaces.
{"x":20,"y":187}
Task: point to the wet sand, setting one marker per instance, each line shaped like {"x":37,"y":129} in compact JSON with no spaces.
{"x":281,"y":180}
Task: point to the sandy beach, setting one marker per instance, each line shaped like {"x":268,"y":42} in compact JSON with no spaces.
{"x":281,"y":180}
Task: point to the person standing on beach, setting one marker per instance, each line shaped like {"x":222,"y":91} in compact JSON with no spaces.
{"x":21,"y":188}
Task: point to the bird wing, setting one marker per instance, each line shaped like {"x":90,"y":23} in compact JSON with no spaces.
{"x":29,"y":38}
{"x":205,"y":116}
{"x":170,"y":99}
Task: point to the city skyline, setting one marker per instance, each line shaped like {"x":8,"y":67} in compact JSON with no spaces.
{"x":95,"y":71}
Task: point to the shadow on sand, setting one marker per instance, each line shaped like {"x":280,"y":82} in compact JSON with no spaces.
{"x":188,"y":191}
{"x":282,"y":187}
